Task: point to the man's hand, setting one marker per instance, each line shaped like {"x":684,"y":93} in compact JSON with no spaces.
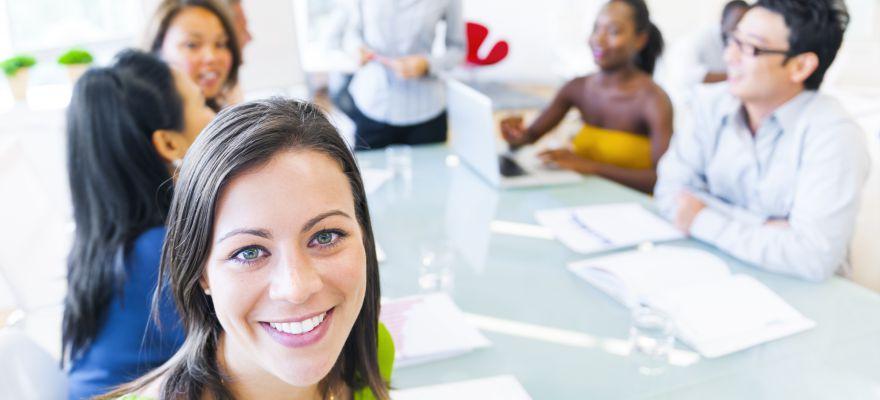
{"x":688,"y":208}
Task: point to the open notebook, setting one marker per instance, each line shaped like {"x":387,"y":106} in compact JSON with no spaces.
{"x":427,"y":328}
{"x":591,"y":229}
{"x":714,"y":311}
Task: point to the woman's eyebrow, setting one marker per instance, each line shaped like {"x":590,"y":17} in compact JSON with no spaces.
{"x":246,"y":231}
{"x":314,"y":221}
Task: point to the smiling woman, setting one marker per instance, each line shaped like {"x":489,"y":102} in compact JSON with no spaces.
{"x":271,"y":261}
{"x":199,"y":38}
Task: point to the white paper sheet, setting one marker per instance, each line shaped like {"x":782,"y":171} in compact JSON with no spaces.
{"x":427,"y":328}
{"x":605,"y":227}
{"x":729,"y":315}
{"x":633,"y":276}
{"x":504,"y":387}
{"x":714,"y":312}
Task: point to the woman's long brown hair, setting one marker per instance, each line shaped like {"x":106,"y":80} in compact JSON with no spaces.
{"x":239,"y":139}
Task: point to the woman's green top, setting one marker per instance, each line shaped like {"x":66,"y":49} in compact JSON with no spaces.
{"x":386,"y":363}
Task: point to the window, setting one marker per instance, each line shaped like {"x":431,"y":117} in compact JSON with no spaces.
{"x":37,"y":26}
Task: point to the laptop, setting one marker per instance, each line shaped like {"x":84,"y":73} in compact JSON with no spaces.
{"x":474,"y":140}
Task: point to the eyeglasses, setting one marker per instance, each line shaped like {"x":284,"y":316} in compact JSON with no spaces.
{"x":749,"y":49}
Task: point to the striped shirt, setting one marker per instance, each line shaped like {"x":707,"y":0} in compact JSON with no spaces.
{"x":395,"y":28}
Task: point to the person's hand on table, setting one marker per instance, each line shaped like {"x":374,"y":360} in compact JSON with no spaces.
{"x":566,"y":159}
{"x":514,"y":131}
{"x":688,"y":208}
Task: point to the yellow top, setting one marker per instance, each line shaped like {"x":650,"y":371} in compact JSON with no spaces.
{"x":623,"y":149}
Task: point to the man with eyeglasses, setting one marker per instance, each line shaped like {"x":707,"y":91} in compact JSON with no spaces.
{"x":771,"y":170}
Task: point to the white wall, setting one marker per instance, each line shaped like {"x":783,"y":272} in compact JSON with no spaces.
{"x":548,"y":37}
{"x":272,"y":58}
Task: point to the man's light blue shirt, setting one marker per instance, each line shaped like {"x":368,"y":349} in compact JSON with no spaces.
{"x":806,"y":165}
{"x":395,"y":28}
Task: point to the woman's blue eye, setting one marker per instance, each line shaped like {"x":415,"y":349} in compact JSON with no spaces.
{"x":249,"y":255}
{"x":326,"y":239}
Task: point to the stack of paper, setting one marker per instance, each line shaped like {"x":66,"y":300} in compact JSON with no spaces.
{"x":427,"y":328}
{"x":714,"y":312}
{"x":605,"y":227}
{"x":504,"y":387}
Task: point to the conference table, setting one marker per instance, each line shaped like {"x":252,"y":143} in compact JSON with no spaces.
{"x":563,"y":339}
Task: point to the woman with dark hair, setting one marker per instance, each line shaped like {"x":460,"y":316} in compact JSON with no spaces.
{"x":199,"y":38}
{"x":271,"y":260}
{"x":128,"y":125}
{"x":627,"y":117}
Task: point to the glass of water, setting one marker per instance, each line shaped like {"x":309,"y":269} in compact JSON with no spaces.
{"x":652,"y":336}
{"x":398,"y":160}
{"x":436,"y":261}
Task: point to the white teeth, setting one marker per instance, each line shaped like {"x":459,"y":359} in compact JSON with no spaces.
{"x":297,"y":328}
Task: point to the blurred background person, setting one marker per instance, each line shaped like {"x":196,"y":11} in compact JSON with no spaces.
{"x":699,"y":58}
{"x":129,"y":125}
{"x":199,"y":38}
{"x":397,"y":93}
{"x":627,"y":117}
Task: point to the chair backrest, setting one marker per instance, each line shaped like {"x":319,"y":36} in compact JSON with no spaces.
{"x":28,"y":371}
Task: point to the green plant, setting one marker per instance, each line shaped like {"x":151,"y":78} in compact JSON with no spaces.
{"x":12,"y":65}
{"x":75,"y":57}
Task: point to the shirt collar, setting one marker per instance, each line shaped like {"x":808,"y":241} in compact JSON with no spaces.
{"x":788,"y":114}
{"x":785,"y":116}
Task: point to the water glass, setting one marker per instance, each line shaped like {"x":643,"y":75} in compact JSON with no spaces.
{"x":398,"y":160}
{"x":436,"y":266}
{"x":652,"y":336}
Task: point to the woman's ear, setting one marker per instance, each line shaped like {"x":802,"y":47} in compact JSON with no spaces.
{"x":642,"y":40}
{"x":203,"y":282}
{"x":169,"y":144}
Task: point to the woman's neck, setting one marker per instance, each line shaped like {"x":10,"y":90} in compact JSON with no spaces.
{"x":616,"y":76}
{"x":251,"y":381}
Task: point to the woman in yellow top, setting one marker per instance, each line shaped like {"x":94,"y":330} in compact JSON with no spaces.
{"x":270,"y":258}
{"x":627,"y":117}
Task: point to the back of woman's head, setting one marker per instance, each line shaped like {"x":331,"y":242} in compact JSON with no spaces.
{"x":119,"y":184}
{"x":242,"y":139}
{"x":646,"y":60}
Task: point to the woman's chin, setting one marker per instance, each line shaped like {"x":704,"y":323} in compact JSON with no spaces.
{"x":211,"y":92}
{"x":303,"y":375}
